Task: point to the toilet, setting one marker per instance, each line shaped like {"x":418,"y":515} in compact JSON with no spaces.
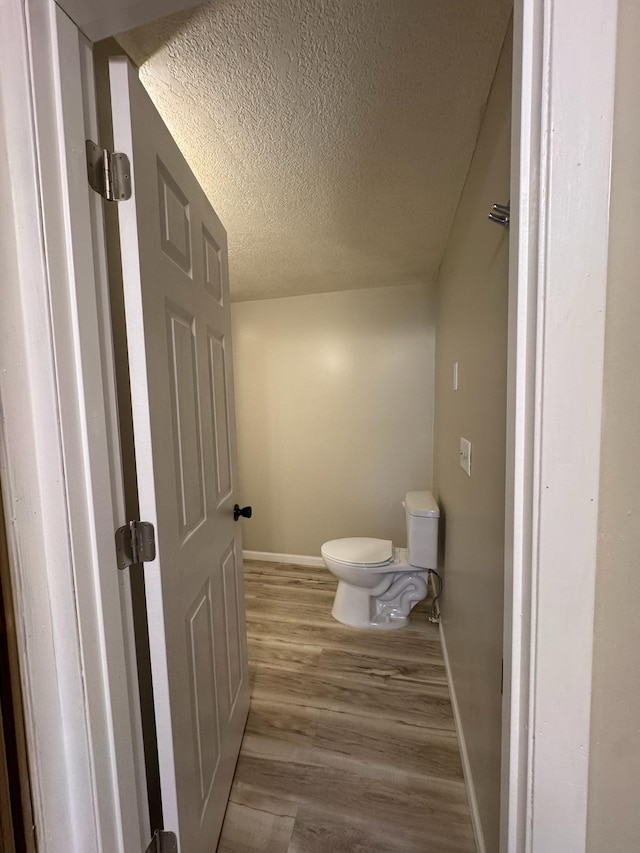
{"x":378,"y":583}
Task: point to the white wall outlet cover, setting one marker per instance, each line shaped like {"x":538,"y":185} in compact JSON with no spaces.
{"x":465,"y":455}
{"x":455,"y":376}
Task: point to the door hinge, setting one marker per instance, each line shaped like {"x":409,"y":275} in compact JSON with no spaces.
{"x":135,"y":543}
{"x":163,"y":842}
{"x":109,"y":172}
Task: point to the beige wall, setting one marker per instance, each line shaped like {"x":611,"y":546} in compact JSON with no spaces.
{"x":614,"y":772}
{"x":334,"y":402}
{"x":472,"y":330}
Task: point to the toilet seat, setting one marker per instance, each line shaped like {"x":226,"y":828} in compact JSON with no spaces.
{"x":360,"y":551}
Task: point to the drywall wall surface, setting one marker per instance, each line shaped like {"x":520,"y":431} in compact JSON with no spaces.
{"x":613,"y":822}
{"x":334,"y":402}
{"x":332,"y":138}
{"x":472,"y":332}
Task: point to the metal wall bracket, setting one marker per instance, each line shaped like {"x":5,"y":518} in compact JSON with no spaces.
{"x":135,"y":543}
{"x":501,"y":214}
{"x":163,"y":842}
{"x":109,"y":172}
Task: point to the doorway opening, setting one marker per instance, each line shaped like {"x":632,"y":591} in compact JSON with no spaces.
{"x":477,"y":405}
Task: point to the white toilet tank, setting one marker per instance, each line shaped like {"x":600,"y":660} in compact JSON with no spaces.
{"x":422,"y":515}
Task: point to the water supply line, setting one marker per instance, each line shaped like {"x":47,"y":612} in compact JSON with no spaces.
{"x":435,"y":607}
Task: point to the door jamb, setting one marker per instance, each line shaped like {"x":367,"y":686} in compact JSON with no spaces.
{"x":57,"y":462}
{"x":561,"y":153}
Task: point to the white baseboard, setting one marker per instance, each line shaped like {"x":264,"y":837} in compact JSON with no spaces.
{"x":466,"y":766}
{"x":295,"y":559}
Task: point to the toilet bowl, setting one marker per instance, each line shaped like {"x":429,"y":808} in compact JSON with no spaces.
{"x":379,"y":584}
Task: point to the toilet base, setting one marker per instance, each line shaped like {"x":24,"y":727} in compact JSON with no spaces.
{"x":386,"y":607}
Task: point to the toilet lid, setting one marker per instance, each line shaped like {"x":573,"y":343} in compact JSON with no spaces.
{"x":359,"y":549}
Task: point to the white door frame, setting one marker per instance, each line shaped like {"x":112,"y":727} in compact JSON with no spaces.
{"x":58,"y":452}
{"x":562,"y":127}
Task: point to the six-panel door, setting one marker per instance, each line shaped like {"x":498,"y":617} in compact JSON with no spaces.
{"x":175,"y":274}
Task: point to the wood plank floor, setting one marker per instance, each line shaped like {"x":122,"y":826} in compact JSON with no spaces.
{"x":350,"y":744}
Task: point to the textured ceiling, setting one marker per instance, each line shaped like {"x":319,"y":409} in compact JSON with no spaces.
{"x":333,"y":137}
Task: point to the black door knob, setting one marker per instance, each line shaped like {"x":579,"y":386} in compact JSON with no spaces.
{"x":244,"y":511}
